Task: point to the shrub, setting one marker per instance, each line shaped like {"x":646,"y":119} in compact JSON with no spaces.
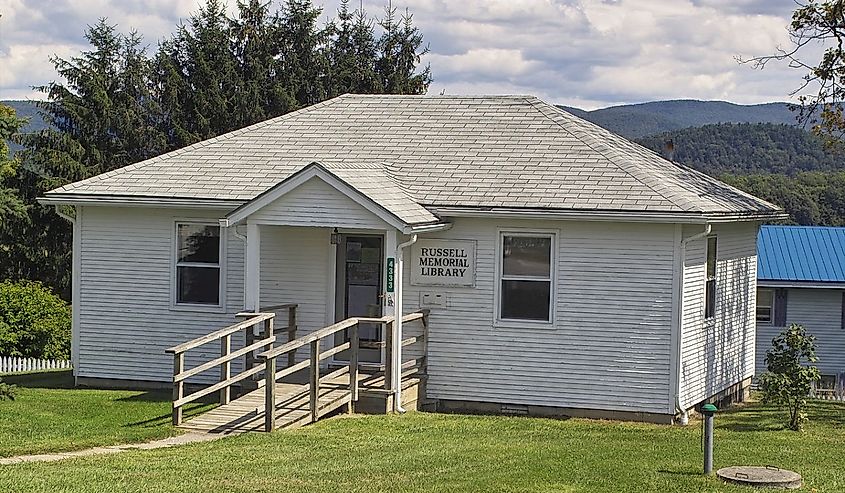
{"x":7,"y":391}
{"x":34,"y":322}
{"x":790,"y":375}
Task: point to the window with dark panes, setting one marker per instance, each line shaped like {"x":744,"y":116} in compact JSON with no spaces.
{"x":197,"y":264}
{"x":710,"y":288}
{"x":765,"y":305}
{"x":525,"y":290}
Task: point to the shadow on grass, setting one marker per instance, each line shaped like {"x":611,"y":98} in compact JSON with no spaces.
{"x":189,"y":411}
{"x":62,"y":379}
{"x":763,"y":417}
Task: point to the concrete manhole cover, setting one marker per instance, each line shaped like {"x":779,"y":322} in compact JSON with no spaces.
{"x":760,"y":477}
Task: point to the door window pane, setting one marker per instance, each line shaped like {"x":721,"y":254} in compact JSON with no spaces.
{"x":198,"y":285}
{"x":199,"y":243}
{"x":526,"y":300}
{"x":527,"y":256}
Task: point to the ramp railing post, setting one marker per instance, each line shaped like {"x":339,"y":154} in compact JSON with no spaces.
{"x":178,"y":387}
{"x":353,"y":366}
{"x":270,"y":394}
{"x":225,"y":368}
{"x":314,"y":387}
{"x":292,"y":333}
{"x":387,"y":327}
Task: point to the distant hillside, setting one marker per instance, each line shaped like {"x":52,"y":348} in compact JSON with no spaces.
{"x":742,"y":148}
{"x":639,"y":120}
{"x":28,"y":111}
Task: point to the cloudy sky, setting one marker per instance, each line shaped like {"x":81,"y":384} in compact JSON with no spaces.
{"x":587,"y":53}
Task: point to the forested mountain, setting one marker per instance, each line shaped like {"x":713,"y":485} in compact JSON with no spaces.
{"x":28,"y":110}
{"x":639,"y":120}
{"x":742,"y":148}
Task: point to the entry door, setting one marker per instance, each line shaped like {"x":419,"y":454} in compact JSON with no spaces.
{"x":360,"y":267}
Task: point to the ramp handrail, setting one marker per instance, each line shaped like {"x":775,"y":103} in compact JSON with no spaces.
{"x":224,"y":361}
{"x":314,"y":339}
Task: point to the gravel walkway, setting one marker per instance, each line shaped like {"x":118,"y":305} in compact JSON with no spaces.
{"x":114,"y":449}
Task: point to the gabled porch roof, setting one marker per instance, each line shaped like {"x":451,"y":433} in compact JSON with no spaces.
{"x":369,"y":185}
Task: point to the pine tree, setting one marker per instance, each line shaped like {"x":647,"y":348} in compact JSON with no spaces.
{"x":100,"y":119}
{"x":304,"y":60}
{"x":10,"y":204}
{"x":366,"y":54}
{"x":254,"y":49}
{"x":342,"y":58}
{"x":197,"y":78}
{"x":400,"y":52}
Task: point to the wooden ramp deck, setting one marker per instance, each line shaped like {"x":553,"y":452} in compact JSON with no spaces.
{"x":246,"y":413}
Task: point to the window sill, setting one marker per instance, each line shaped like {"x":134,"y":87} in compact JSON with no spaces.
{"x":523,"y":324}
{"x":186,"y":307}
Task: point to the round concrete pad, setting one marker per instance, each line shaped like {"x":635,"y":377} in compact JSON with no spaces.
{"x":760,"y":477}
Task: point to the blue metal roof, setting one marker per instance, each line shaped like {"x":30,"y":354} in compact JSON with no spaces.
{"x":801,"y":253}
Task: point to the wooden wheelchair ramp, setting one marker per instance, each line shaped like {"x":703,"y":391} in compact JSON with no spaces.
{"x":292,"y":409}
{"x":271,"y":370}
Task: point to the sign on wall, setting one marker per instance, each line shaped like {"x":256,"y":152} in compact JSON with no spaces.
{"x":390,"y":274}
{"x":443,"y":262}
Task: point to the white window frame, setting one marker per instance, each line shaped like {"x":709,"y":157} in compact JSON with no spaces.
{"x":771,"y":307}
{"x":220,"y":307}
{"x":500,"y":322}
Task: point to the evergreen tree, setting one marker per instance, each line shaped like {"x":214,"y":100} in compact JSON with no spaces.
{"x":400,"y":51}
{"x":10,"y":204}
{"x":255,"y":47}
{"x":215,"y":74}
{"x":303,"y":58}
{"x":366,"y":79}
{"x":197,"y":78}
{"x":342,"y":56}
{"x":99,"y":121}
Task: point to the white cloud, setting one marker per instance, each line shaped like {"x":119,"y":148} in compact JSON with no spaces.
{"x":589,"y":52}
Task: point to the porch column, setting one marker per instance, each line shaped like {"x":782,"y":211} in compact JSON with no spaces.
{"x":252,"y":275}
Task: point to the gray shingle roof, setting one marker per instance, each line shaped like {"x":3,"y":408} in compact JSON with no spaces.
{"x":474,"y":151}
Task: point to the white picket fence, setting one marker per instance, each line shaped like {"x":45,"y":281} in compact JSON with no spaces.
{"x":14,"y":364}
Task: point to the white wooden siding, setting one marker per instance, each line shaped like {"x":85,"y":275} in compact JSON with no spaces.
{"x":295,"y":266}
{"x":126,"y":319}
{"x":718,"y":353}
{"x":315,"y":203}
{"x":609,"y":348}
{"x":820,"y":312}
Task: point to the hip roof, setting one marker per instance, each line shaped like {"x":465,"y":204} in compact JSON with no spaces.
{"x":457,"y":151}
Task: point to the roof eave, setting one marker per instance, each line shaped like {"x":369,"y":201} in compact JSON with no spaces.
{"x":598,"y":215}
{"x":747,"y":216}
{"x":137,"y":201}
{"x":795,"y":283}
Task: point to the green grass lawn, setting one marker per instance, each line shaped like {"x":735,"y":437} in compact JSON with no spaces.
{"x":49,"y":415}
{"x":420,"y":452}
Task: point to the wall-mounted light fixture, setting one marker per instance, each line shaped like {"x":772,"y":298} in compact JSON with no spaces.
{"x":335,"y":237}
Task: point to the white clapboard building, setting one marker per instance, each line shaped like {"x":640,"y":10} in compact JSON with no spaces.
{"x":567,"y":270}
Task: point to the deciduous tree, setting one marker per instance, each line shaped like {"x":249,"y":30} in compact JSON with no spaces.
{"x":790,"y":374}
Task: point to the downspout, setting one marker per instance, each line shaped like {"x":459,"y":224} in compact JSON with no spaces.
{"x":683,"y":412}
{"x":397,"y":341}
